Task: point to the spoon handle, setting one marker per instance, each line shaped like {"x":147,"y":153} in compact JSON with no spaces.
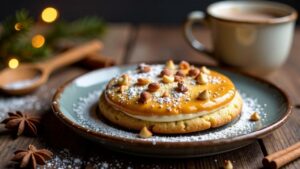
{"x":72,"y":55}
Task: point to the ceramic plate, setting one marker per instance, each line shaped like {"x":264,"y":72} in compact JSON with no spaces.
{"x":75,"y":104}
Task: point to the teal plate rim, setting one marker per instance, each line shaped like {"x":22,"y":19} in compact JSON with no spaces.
{"x":108,"y":138}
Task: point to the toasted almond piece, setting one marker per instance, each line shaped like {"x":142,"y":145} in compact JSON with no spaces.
{"x":184,"y":65}
{"x":145,"y":133}
{"x":142,"y":81}
{"x":204,"y":95}
{"x":180,"y":73}
{"x":143,"y":68}
{"x":205,"y":70}
{"x":123,"y":80}
{"x":170,"y":64}
{"x":168,"y":79}
{"x":165,"y":94}
{"x":145,"y":97}
{"x":181,"y":87}
{"x":202,"y":79}
{"x":178,"y":78}
{"x":122,"y":88}
{"x":112,"y":83}
{"x":153,"y":87}
{"x":194,"y":72}
{"x":228,"y":164}
{"x":255,"y":116}
{"x":165,"y":72}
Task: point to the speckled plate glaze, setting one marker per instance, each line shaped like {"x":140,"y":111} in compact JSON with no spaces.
{"x":75,"y":104}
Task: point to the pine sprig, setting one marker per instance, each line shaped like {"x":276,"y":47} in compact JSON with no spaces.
{"x":14,"y":29}
{"x":24,"y":22}
{"x":85,"y":28}
{"x":15,"y":40}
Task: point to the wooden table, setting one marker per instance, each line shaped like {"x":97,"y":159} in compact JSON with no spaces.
{"x":145,"y":43}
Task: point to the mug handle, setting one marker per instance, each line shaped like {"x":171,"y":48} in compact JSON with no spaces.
{"x":193,"y":17}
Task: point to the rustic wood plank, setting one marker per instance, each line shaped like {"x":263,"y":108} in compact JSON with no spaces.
{"x":285,"y":136}
{"x":248,"y":157}
{"x":288,"y":78}
{"x":240,"y":159}
{"x":160,"y":43}
{"x":120,"y":160}
{"x":116,"y":40}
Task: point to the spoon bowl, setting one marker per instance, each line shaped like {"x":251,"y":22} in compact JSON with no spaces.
{"x":22,"y":80}
{"x":28,"y":77}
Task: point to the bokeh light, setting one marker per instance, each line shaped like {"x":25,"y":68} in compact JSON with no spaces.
{"x":49,"y":14}
{"x":38,"y":41}
{"x":18,"y":26}
{"x":13,"y":63}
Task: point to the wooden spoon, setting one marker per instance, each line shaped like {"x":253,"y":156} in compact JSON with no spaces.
{"x":28,"y":77}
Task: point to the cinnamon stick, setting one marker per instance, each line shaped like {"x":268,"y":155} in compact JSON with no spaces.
{"x":282,"y":157}
{"x":283,"y":160}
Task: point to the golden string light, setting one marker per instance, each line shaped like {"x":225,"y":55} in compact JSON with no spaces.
{"x":13,"y":63}
{"x":49,"y":14}
{"x":18,"y":26}
{"x":38,"y":41}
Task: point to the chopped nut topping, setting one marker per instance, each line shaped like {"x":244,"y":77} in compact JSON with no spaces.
{"x":122,"y":88}
{"x":204,"y":95}
{"x":165,"y":72}
{"x":255,"y":116}
{"x":111,"y":83}
{"x":228,"y":164}
{"x":181,"y":87}
{"x":178,"y":78}
{"x":194,"y":72}
{"x":142,"y":81}
{"x":184,"y":65}
{"x":165,"y":94}
{"x":180,"y":73}
{"x":144,"y":97}
{"x":145,"y":133}
{"x":204,"y":69}
{"x":153,"y":87}
{"x":143,"y":68}
{"x":202,"y":79}
{"x":170,"y":64}
{"x":123,"y":80}
{"x":168,"y":79}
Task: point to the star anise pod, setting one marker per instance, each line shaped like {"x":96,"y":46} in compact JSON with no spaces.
{"x":32,"y":156}
{"x":21,"y":122}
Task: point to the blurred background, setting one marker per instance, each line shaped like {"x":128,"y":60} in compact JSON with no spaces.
{"x":134,"y":11}
{"x":32,"y":30}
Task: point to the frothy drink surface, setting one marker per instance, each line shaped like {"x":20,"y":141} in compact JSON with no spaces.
{"x":250,"y":15}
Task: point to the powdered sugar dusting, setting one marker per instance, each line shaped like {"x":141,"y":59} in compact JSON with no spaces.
{"x":21,"y":84}
{"x":242,"y":126}
{"x":26,"y":103}
{"x":64,"y":159}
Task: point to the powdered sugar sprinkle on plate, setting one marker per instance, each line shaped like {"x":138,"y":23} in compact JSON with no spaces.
{"x":239,"y":127}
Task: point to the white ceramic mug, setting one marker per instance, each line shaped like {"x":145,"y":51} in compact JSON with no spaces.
{"x":257,"y":45}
